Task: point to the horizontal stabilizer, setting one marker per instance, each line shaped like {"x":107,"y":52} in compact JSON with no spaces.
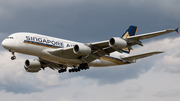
{"x":135,"y":57}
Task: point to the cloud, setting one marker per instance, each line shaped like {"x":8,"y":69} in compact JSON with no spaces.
{"x":169,"y":64}
{"x":134,"y":88}
{"x":121,"y":82}
{"x":149,"y":84}
{"x":170,"y":60}
{"x":23,"y":82}
{"x":13,"y":77}
{"x":162,"y":62}
{"x":74,"y":20}
{"x":168,"y":93}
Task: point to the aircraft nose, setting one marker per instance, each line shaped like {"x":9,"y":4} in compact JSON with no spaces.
{"x":5,"y":44}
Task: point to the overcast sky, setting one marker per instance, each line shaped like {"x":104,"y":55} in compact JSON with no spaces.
{"x":154,"y":78}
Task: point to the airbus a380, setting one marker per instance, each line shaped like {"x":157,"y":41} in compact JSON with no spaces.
{"x":58,"y":54}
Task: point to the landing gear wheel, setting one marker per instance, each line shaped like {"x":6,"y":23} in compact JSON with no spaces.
{"x":13,"y":53}
{"x":83,"y":66}
{"x":70,"y":70}
{"x":59,"y":71}
{"x":62,"y":70}
{"x":13,"y":57}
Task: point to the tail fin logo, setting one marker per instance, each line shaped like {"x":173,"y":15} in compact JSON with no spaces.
{"x":126,"y":35}
{"x":126,"y":49}
{"x":131,"y":31}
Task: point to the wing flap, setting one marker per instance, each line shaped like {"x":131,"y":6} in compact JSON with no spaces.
{"x":135,"y":57}
{"x":51,"y":65}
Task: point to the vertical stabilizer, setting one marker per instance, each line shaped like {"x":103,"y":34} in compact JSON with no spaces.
{"x":131,"y":31}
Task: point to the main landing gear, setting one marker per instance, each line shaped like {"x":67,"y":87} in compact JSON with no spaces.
{"x":82,"y":66}
{"x":13,"y":53}
{"x":62,"y":70}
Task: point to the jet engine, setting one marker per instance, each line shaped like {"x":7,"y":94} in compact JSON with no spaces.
{"x":117,"y":42}
{"x":32,"y":66}
{"x":81,"y":49}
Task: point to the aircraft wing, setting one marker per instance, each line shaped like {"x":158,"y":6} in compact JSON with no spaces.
{"x":98,"y":50}
{"x":135,"y":57}
{"x":102,"y":48}
{"x":150,"y":35}
{"x":133,"y":40}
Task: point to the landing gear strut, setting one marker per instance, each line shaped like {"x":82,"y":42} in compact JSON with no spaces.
{"x":13,"y":53}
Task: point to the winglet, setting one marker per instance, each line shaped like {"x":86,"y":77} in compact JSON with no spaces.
{"x":177,"y":30}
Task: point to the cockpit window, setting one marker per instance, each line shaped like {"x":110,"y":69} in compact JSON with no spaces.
{"x":10,"y":38}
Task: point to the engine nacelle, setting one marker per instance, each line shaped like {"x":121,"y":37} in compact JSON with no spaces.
{"x":81,"y":49}
{"x":117,"y":42}
{"x":32,"y":66}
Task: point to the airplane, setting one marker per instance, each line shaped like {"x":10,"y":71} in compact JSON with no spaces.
{"x":59,"y":54}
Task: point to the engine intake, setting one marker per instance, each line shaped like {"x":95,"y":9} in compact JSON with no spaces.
{"x":32,"y":65}
{"x":81,"y":49}
{"x":117,"y":42}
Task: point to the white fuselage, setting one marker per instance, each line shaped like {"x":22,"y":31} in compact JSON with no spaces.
{"x":37,"y":45}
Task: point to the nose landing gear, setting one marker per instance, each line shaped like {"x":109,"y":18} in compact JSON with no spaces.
{"x":13,"y":53}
